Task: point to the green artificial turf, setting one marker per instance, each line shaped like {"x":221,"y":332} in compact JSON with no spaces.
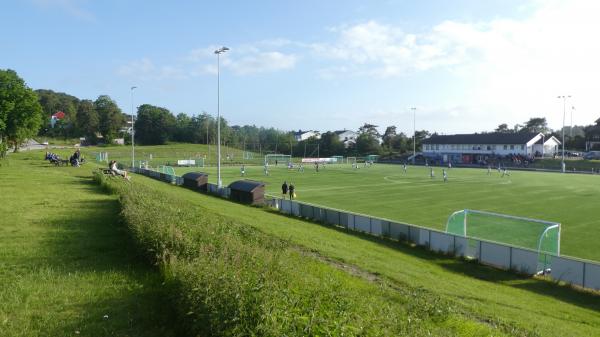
{"x":413,"y":197}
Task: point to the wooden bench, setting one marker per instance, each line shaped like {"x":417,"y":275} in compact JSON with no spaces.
{"x":106,"y":171}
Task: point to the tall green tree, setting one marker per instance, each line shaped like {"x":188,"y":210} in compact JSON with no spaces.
{"x":20,"y":111}
{"x":388,"y":136}
{"x":366,"y":144}
{"x":503,"y":128}
{"x":536,"y":125}
{"x":87,"y":120}
{"x":154,"y":125}
{"x":110,"y":118}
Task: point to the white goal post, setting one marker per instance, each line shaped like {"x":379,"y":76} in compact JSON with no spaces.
{"x":273,"y":159}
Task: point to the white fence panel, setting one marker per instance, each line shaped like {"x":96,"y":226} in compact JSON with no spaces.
{"x":495,"y":255}
{"x":413,"y":234}
{"x":333,"y":217}
{"x":567,"y":270}
{"x":362,"y":223}
{"x":592,"y":276}
{"x":376,"y":227}
{"x":441,"y":242}
{"x":306,"y":211}
{"x":344,"y":219}
{"x":398,"y":231}
{"x":423,"y":237}
{"x":295,"y":208}
{"x":286,"y":206}
{"x":351,"y":221}
{"x":524,"y":261}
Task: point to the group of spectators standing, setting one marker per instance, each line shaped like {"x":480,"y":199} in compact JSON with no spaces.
{"x":288,"y":189}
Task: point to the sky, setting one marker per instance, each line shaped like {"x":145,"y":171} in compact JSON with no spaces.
{"x":465,"y":65}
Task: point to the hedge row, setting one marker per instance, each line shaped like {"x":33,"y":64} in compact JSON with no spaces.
{"x":229,"y":279}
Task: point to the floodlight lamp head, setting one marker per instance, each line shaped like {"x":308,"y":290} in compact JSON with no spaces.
{"x":221,"y":50}
{"x":134,"y":87}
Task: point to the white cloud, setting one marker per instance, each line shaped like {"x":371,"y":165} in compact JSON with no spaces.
{"x":245,"y":59}
{"x":511,"y":69}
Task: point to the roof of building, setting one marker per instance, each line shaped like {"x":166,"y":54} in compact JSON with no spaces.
{"x":482,"y":138}
{"x":59,"y":115}
{"x":245,"y":185}
{"x":300,"y":132}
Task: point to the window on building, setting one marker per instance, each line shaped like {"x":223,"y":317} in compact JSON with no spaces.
{"x":437,"y":146}
{"x":522,"y":147}
{"x":505,"y":147}
{"x":512,"y":147}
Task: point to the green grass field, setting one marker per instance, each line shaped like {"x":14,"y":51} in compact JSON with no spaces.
{"x":412,"y":197}
{"x":67,"y":264}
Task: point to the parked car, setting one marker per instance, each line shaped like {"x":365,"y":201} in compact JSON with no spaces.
{"x":592,"y":155}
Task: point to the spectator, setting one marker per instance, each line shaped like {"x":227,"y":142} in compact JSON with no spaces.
{"x":291,"y":189}
{"x":113,"y":167}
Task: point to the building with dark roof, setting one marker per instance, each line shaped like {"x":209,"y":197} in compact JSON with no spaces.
{"x":478,"y":147}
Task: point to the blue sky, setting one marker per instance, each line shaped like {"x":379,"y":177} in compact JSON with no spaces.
{"x":465,"y":65}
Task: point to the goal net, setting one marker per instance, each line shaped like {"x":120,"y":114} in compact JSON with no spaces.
{"x":539,"y":235}
{"x":273,"y":159}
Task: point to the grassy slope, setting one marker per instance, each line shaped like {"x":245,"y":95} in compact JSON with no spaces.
{"x":498,"y":297}
{"x":65,"y":261}
{"x":383,"y":190}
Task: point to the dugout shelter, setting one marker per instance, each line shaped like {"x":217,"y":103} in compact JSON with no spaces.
{"x":196,"y":180}
{"x":247,"y":192}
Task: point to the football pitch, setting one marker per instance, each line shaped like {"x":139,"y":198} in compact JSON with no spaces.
{"x":414,"y":197}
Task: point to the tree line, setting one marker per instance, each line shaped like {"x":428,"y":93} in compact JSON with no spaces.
{"x":25,"y":113}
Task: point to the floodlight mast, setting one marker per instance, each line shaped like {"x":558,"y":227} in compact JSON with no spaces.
{"x":132,"y":130}
{"x":219,"y":52}
{"x":414,"y":110}
{"x":564,"y":98}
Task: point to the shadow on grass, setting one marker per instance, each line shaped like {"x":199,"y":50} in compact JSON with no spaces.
{"x":89,"y":239}
{"x":581,"y":298}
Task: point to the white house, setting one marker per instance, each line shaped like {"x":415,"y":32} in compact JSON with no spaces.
{"x":304,"y":135}
{"x":473,"y":148}
{"x":347,"y":137}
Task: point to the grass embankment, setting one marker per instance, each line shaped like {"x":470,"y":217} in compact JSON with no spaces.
{"x":169,"y":154}
{"x":412,"y":278}
{"x":231,"y":279}
{"x":67,"y":266}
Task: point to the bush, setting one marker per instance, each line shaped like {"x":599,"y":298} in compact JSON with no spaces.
{"x":229,"y":279}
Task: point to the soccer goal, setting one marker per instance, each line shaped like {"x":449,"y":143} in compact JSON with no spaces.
{"x":351,"y":160}
{"x":539,"y":235}
{"x":273,"y":159}
{"x":166,"y":169}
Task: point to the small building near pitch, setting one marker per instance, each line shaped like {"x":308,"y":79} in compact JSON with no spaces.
{"x":481,"y":148}
{"x":197,"y":181}
{"x":247,"y":192}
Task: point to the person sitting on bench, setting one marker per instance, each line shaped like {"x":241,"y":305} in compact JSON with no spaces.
{"x":115,"y":169}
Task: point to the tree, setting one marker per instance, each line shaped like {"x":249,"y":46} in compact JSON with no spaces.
{"x":110,"y":118}
{"x":53,"y":102}
{"x":366,"y":144}
{"x":87,"y":120}
{"x":330,"y":145}
{"x":419,"y":137}
{"x":503,"y":128}
{"x":20,"y":111}
{"x":536,"y":125}
{"x":388,"y":136}
{"x":370,"y":129}
{"x":154,"y":125}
